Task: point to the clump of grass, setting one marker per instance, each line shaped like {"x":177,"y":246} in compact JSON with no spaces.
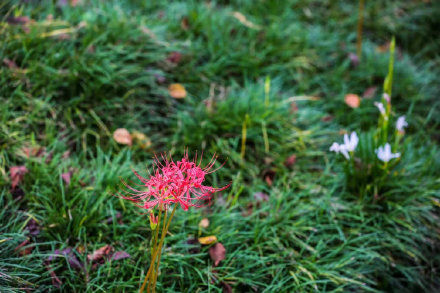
{"x":70,"y":92}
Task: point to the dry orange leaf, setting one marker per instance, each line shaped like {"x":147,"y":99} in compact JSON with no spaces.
{"x":208,"y":240}
{"x":122,"y":136}
{"x":204,"y":223}
{"x":352,"y":100}
{"x":177,"y":91}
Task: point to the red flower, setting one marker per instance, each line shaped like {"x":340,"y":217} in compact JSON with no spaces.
{"x":173,"y":182}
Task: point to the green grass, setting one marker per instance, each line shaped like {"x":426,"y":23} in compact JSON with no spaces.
{"x":104,"y":65}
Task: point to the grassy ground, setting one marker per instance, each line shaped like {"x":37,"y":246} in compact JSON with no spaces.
{"x":80,"y":72}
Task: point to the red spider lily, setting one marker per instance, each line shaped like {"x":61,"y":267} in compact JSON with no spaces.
{"x":170,"y":182}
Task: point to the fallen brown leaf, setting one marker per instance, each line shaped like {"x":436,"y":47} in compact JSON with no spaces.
{"x":17,"y":175}
{"x":184,"y":23}
{"x":370,"y":92}
{"x":120,"y":255}
{"x":69,"y":254}
{"x":100,"y":253}
{"x":122,"y":136}
{"x":290,"y":161}
{"x":177,"y":91}
{"x":207,"y":240}
{"x":174,"y":57}
{"x":352,"y":100}
{"x":217,"y":253}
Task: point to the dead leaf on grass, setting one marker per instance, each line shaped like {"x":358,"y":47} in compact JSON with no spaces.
{"x":17,"y":174}
{"x":370,"y":92}
{"x":177,"y":91}
{"x":122,"y":136}
{"x":207,"y":240}
{"x":217,"y":253}
{"x":352,"y":100}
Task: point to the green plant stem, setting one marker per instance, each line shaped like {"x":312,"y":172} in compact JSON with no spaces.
{"x":265,"y":137}
{"x":154,"y":255}
{"x":157,"y":252}
{"x":160,"y":247}
{"x":156,"y":235}
{"x":244,"y":136}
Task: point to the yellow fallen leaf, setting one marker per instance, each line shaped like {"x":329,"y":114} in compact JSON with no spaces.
{"x":141,"y":139}
{"x":204,"y":223}
{"x":208,"y":240}
{"x":122,"y":136}
{"x":352,"y":100}
{"x":177,"y":91}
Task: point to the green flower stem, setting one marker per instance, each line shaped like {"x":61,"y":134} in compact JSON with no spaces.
{"x":157,"y":252}
{"x":160,"y":247}
{"x":154,"y":254}
{"x":156,"y":235}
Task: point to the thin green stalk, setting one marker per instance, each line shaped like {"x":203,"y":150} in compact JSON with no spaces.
{"x":266,"y":91}
{"x":265,"y":137}
{"x":153,"y":259}
{"x":157,"y":252}
{"x":160,"y":247}
{"x":156,"y":235}
{"x":244,"y":136}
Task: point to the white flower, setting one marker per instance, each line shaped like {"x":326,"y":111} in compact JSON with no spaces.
{"x":384,"y":153}
{"x":340,"y":148}
{"x":335,"y":147}
{"x":349,"y":145}
{"x":401,"y":123}
{"x":351,"y":142}
{"x":387,"y":97}
{"x":380,"y":107}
